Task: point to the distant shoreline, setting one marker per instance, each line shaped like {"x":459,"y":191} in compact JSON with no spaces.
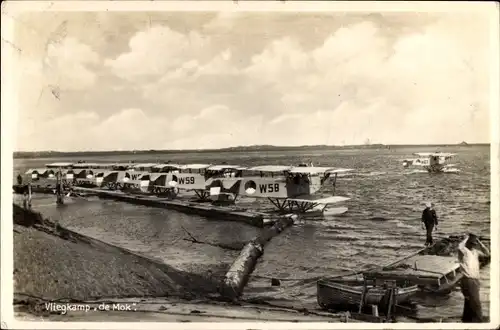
{"x":263,"y":148}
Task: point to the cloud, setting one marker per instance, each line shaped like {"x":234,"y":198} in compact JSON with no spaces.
{"x":156,"y":51}
{"x":421,"y":82}
{"x":133,"y":129}
{"x":215,"y":127}
{"x":66,"y":64}
{"x":128,"y":129}
{"x":227,"y":82}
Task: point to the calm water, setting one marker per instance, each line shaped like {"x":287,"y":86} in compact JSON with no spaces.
{"x":383,"y":221}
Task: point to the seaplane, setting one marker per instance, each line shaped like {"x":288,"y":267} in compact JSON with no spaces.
{"x":88,"y":173}
{"x":50,"y":171}
{"x":432,"y":162}
{"x":291,"y":189}
{"x":171,"y":178}
{"x":159,"y":178}
{"x":125,"y":176}
{"x":288,"y":188}
{"x":36,"y":174}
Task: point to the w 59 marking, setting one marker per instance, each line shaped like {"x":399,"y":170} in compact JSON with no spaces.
{"x":187,"y":180}
{"x":270,"y":187}
{"x":134,"y":177}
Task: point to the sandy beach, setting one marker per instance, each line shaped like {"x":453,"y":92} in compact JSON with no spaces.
{"x":57,"y":270}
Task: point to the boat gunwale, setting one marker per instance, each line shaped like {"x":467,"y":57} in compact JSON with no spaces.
{"x":371,"y":289}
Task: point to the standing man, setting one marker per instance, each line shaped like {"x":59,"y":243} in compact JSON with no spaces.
{"x":429,"y":220}
{"x":470,"y":249}
{"x":19,"y":179}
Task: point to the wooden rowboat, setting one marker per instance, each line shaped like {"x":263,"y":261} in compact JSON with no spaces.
{"x":334,"y":294}
{"x":431,"y":270}
{"x":434,"y":269}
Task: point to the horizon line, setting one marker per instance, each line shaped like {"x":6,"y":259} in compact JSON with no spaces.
{"x":372,"y":145}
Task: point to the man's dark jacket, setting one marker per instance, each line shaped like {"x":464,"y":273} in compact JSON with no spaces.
{"x":429,"y":217}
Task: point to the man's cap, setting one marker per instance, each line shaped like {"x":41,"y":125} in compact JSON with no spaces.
{"x":473,"y":240}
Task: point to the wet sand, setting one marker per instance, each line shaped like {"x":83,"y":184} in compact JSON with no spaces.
{"x":53,"y":264}
{"x":171,"y":310}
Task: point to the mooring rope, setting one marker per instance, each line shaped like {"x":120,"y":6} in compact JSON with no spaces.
{"x":288,"y":278}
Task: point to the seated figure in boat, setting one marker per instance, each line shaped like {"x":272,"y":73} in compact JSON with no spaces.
{"x":470,"y":249}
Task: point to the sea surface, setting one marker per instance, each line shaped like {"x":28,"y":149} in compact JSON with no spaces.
{"x":382,"y":224}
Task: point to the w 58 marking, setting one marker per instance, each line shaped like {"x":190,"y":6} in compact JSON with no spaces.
{"x":270,"y":187}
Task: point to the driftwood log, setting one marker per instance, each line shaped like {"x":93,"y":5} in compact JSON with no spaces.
{"x":237,"y":277}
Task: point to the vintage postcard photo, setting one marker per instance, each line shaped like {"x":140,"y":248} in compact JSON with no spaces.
{"x":267,"y":164}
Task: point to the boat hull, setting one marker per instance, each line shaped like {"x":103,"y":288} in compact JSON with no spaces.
{"x":331,"y":294}
{"x":445,"y":279}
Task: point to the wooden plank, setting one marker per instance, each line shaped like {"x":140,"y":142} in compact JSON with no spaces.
{"x":432,"y":263}
{"x":430,"y":270}
{"x":414,"y":278}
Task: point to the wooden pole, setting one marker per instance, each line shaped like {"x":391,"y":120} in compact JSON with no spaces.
{"x":59,"y":188}
{"x":375,"y":310}
{"x":29,"y":195}
{"x":363,"y":296}
{"x":25,"y":200}
{"x":238,"y":274}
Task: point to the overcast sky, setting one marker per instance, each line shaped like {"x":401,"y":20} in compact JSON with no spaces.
{"x":121,"y":81}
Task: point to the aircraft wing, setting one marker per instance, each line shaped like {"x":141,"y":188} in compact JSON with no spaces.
{"x":195,"y":166}
{"x":160,"y":166}
{"x":126,"y":165}
{"x":59,"y":165}
{"x":439,"y":154}
{"x":310,"y":170}
{"x":340,"y":170}
{"x":270,"y":168}
{"x":225,"y":167}
{"x":40,"y":171}
{"x":144,"y":165}
{"x":84,"y":165}
{"x":319,"y":199}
